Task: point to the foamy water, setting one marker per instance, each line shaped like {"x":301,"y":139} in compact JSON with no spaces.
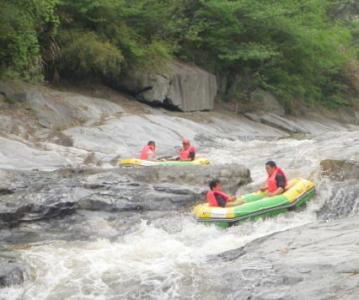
{"x":160,"y":260}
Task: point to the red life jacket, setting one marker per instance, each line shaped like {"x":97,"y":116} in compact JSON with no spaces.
{"x":211,"y":198}
{"x":147,"y":153}
{"x":272,"y":183}
{"x":184,"y":155}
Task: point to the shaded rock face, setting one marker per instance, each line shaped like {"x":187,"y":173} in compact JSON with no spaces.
{"x":342,"y":189}
{"x":182,"y":86}
{"x":319,"y":261}
{"x":35,"y":196}
{"x":342,"y":199}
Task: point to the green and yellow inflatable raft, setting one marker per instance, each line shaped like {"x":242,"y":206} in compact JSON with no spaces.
{"x":257,"y":205}
{"x":201,"y":161}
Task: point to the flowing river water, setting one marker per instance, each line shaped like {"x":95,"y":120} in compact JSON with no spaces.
{"x":170,"y":257}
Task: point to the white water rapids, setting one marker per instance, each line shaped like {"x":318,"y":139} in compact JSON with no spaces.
{"x":165,"y":259}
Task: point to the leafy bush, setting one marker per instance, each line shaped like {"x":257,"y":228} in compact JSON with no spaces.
{"x":19,"y":48}
{"x":84,"y":55}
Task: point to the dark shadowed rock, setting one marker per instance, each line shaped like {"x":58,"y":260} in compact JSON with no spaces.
{"x":185,"y":87}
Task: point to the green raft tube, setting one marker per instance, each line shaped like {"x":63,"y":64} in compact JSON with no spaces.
{"x":257,"y":205}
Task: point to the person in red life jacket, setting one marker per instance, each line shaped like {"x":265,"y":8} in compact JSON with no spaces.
{"x":276,"y":181}
{"x":148,"y":152}
{"x":188,"y":152}
{"x":216,"y":197}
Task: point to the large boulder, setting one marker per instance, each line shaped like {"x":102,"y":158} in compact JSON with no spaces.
{"x":182,"y":86}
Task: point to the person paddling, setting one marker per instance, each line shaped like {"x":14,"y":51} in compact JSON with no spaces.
{"x":148,"y":152}
{"x":276,"y":181}
{"x":217,"y":198}
{"x":188,"y":152}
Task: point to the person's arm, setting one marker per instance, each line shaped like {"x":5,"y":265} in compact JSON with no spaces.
{"x":220,"y":201}
{"x":263,"y":188}
{"x":151,"y":156}
{"x":192,"y":155}
{"x":234,"y":201}
{"x":228,"y":200}
{"x":278,"y":191}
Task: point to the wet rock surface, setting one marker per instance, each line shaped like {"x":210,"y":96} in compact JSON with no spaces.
{"x":56,"y":109}
{"x":340,"y":179}
{"x":277,"y":121}
{"x":232,"y":176}
{"x":130,"y":231}
{"x":319,"y":261}
{"x":33,"y":196}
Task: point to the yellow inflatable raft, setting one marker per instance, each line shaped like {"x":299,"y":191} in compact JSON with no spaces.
{"x":201,"y":161}
{"x":257,"y":204}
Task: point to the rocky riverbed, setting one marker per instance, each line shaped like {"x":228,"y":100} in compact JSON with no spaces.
{"x":74,"y":225}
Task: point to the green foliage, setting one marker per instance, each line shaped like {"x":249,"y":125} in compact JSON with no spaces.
{"x":291,"y":46}
{"x":19,"y":50}
{"x":84,"y":54}
{"x":294,"y":48}
{"x":21,"y":27}
{"x":128,"y":25}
